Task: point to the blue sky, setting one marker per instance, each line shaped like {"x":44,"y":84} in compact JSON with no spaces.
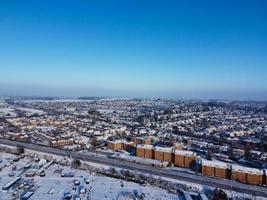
{"x":183,"y":49}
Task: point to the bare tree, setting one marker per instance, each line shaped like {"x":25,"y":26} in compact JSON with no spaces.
{"x":20,"y":149}
{"x":94,"y":142}
{"x":76,"y":163}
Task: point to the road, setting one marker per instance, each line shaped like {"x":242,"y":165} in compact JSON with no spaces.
{"x":165,"y":173}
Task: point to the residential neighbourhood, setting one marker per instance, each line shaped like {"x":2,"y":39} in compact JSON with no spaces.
{"x":223,"y":140}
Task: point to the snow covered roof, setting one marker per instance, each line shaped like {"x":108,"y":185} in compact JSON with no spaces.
{"x":164,"y":149}
{"x":143,"y":138}
{"x":185,"y":153}
{"x":215,"y":163}
{"x":118,"y":141}
{"x":145,"y":146}
{"x":248,"y":170}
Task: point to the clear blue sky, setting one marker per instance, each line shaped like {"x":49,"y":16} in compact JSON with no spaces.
{"x":188,"y":49}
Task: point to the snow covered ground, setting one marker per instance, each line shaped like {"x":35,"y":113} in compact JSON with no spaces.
{"x":53,"y":186}
{"x":101,"y":187}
